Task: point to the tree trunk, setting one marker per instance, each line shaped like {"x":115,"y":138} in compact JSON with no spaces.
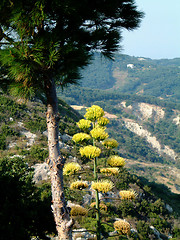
{"x":56,"y":162}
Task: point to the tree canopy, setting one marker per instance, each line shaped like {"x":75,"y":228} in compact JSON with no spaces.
{"x":46,"y":39}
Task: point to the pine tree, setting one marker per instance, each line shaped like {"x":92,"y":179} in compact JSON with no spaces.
{"x":46,"y":42}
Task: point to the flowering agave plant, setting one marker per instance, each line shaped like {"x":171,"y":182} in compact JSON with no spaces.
{"x":122,"y":227}
{"x":99,"y":133}
{"x":103,"y":121}
{"x":96,"y":121}
{"x":81,"y":137}
{"x":78,"y":185}
{"x":90,"y":151}
{"x":110,"y":171}
{"x":84,"y":124}
{"x":110,"y":143}
{"x":71,"y":168}
{"x":116,"y":161}
{"x":93,"y":113}
{"x":127,"y":194}
{"x":103,"y":186}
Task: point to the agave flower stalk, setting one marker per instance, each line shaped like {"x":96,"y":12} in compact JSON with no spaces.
{"x":94,"y":113}
{"x":97,"y":199}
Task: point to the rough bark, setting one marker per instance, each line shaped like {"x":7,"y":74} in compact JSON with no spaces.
{"x":56,"y":162}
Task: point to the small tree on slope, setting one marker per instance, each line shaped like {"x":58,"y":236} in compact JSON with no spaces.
{"x":46,"y":42}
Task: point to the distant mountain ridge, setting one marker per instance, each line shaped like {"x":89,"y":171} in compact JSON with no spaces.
{"x":134,"y":75}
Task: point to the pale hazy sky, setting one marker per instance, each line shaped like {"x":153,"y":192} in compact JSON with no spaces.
{"x":159,"y":34}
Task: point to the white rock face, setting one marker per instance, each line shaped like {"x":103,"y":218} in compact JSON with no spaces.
{"x":149,"y":111}
{"x":156,"y":232}
{"x":145,"y":111}
{"x":136,"y":128}
{"x":169,"y":208}
{"x":30,"y":136}
{"x":177,"y":120}
{"x":87,"y":199}
{"x":41,"y":172}
{"x":82,"y":234}
{"x":65,"y":138}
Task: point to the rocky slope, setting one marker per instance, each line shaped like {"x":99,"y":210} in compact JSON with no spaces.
{"x":25,"y":137}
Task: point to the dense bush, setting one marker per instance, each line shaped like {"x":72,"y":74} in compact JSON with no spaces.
{"x":36,"y":124}
{"x":7,"y":131}
{"x":144,"y":230}
{"x":25,"y":210}
{"x":2,"y":142}
{"x":38,"y":153}
{"x":9,"y":108}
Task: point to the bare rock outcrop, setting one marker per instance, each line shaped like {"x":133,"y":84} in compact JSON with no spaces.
{"x":144,"y":111}
{"x":140,"y":131}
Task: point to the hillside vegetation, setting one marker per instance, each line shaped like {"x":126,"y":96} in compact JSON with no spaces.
{"x":24,"y":144}
{"x":146,"y":125}
{"x":132,"y":75}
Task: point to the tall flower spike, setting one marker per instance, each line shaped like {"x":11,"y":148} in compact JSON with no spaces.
{"x":122,"y":227}
{"x":90,"y":152}
{"x":102,"y":186}
{"x":84,"y":124}
{"x":99,"y":133}
{"x":81,"y":137}
{"x":93,"y":113}
{"x":116,"y":161}
{"x":71,"y":168}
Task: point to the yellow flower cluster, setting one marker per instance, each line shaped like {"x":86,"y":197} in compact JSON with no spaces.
{"x":103,"y":121}
{"x":84,"y":124}
{"x":102,"y":206}
{"x":122,"y":227}
{"x":110,"y":143}
{"x":81,"y":137}
{"x":90,"y":151}
{"x":71,"y":168}
{"x":102,"y":186}
{"x":116,"y":161}
{"x":99,"y":133}
{"x":127,"y":195}
{"x":78,"y":211}
{"x":109,"y":171}
{"x":78,"y":185}
{"x":93,"y":113}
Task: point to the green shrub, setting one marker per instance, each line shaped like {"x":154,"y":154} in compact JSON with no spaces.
{"x":25,"y":209}
{"x":160,"y":224}
{"x":7,"y":131}
{"x":126,"y":208}
{"x":38,"y":153}
{"x":36,"y":124}
{"x":143,"y":230}
{"x":2,"y":142}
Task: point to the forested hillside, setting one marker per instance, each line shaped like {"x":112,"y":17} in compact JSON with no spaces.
{"x":27,"y":205}
{"x":145,"y":124}
{"x":132,"y":75}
